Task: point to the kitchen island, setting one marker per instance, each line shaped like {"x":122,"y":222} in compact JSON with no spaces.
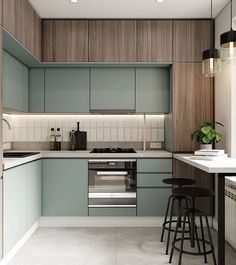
{"x":223,"y":168}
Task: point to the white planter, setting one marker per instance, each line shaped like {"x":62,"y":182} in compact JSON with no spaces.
{"x":205,"y":146}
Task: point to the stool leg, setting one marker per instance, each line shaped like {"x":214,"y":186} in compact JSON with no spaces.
{"x":173,"y":242}
{"x":203,"y":238}
{"x":197,"y":239}
{"x":212,"y":246}
{"x":164,"y":224}
{"x":182,"y":239}
{"x":179,"y":208}
{"x":170,"y":225}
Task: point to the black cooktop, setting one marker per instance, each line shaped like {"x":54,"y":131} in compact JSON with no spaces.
{"x":113,"y":150}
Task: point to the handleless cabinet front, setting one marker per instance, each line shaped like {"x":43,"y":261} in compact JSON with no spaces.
{"x":65,"y":187}
{"x":67,"y":90}
{"x":112,"y":89}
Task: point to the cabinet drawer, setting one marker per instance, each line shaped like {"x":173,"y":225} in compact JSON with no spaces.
{"x":112,"y":211}
{"x":154,"y":165}
{"x":152,"y":202}
{"x":152,"y":179}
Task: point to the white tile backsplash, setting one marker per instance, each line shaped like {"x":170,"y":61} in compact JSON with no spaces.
{"x":114,"y":128}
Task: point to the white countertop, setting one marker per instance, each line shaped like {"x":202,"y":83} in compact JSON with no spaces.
{"x":13,"y":162}
{"x":226,"y":165}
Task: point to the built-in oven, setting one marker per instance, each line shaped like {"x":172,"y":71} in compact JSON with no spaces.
{"x":112,"y":183}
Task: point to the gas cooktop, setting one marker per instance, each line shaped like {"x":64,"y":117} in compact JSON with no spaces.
{"x":113,"y":150}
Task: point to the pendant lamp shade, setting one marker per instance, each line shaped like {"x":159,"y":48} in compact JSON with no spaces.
{"x":211,"y":62}
{"x":228,"y":46}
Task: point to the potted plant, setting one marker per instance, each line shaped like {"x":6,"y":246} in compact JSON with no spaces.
{"x":206,"y":135}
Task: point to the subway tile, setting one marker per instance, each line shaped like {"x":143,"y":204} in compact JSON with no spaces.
{"x":44,"y":135}
{"x":100,"y":134}
{"x":114,"y":135}
{"x":30,"y":135}
{"x":92,"y":135}
{"x":127,"y":134}
{"x":134,"y":135}
{"x":37,"y":134}
{"x":161,"y":135}
{"x":120,"y":135}
{"x":107,"y":134}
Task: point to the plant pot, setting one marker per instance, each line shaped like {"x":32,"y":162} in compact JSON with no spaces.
{"x":206,"y":146}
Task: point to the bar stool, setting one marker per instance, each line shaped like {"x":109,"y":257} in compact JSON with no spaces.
{"x":167,"y":225}
{"x":191,"y":213}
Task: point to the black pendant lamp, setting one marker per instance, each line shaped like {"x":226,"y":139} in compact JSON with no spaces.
{"x":228,"y":42}
{"x":211,"y":62}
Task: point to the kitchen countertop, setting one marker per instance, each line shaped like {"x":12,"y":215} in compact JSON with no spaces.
{"x":13,"y":162}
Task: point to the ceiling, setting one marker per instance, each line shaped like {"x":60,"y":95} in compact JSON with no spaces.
{"x":127,"y":8}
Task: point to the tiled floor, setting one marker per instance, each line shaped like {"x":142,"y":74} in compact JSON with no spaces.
{"x":102,"y":246}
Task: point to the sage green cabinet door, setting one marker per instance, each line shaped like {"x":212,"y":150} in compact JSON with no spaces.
{"x":154,"y":165}
{"x":15,"y":84}
{"x":14,"y":205}
{"x":66,"y":90}
{"x":36,"y":90}
{"x":33,"y":193}
{"x":112,"y":89}
{"x":152,"y":201}
{"x":64,"y":187}
{"x":152,"y":90}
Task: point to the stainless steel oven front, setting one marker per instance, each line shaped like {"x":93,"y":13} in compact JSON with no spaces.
{"x":112,"y":183}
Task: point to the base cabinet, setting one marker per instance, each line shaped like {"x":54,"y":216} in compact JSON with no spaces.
{"x":152,"y":201}
{"x":65,"y":187}
{"x":112,"y":211}
{"x":22,"y":201}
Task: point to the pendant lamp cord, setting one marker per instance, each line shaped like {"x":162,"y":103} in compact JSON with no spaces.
{"x":231,"y":14}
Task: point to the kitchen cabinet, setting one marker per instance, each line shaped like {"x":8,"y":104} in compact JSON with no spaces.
{"x":152,"y":202}
{"x":15,"y":84}
{"x":192,"y":104}
{"x":67,"y":90}
{"x":22,"y":201}
{"x":190,"y":38}
{"x":21,"y":20}
{"x":112,"y":40}
{"x":112,"y":211}
{"x":65,"y":187}
{"x":65,"y":40}
{"x":152,"y":90}
{"x":154,"y":40}
{"x":14,"y":199}
{"x":36,"y":90}
{"x":152,"y":193}
{"x":112,"y":90}
{"x":33,"y":193}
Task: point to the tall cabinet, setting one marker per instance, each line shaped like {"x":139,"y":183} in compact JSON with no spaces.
{"x":192,"y":97}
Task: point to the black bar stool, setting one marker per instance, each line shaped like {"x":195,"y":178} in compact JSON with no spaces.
{"x":167,"y":225}
{"x":190,"y":214}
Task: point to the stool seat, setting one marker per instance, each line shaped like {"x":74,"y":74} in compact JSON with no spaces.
{"x":179,"y":181}
{"x":192,"y":192}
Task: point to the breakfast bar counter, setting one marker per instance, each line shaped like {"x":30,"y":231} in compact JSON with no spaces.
{"x":223,"y":168}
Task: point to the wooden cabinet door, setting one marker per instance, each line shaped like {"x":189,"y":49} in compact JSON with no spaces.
{"x":20,"y":19}
{"x":190,"y":39}
{"x":154,"y":40}
{"x":192,"y":103}
{"x":64,"y":187}
{"x":65,"y":40}
{"x":112,"y":41}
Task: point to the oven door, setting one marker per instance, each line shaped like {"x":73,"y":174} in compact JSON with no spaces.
{"x":112,"y":184}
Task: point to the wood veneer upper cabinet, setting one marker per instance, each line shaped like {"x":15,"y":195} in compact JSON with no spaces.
{"x":112,"y":41}
{"x":190,"y":39}
{"x":65,"y":40}
{"x":154,"y":40}
{"x":21,"y":20}
{"x":192,"y":103}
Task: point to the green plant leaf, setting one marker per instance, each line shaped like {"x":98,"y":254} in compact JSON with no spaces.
{"x":205,"y":140}
{"x":206,"y":129}
{"x":211,"y":135}
{"x":218,"y":136}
